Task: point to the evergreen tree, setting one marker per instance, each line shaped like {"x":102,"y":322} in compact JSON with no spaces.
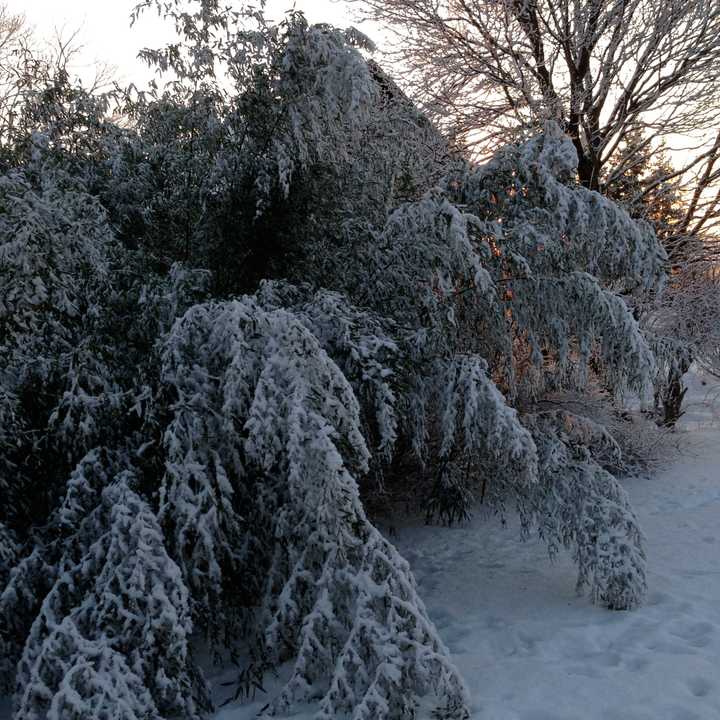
{"x":639,"y":182}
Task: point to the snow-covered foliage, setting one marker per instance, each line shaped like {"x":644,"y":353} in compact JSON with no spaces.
{"x":487,"y":282}
{"x":280,"y":147}
{"x":479,"y":434}
{"x":112,"y":634}
{"x":582,"y":507}
{"x":561,"y":251}
{"x":361,"y":344}
{"x":333,"y":594}
{"x":78,"y":321}
{"x":8,"y":551}
{"x":191,"y":448}
{"x":54,"y":268}
{"x":684,"y":330}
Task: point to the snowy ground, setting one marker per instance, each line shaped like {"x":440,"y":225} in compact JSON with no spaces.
{"x":529,"y":649}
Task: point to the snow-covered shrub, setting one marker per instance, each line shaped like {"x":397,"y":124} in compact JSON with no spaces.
{"x":479,"y":435}
{"x":273,"y":499}
{"x":644,"y":445}
{"x":178,"y":459}
{"x":83,"y":678}
{"x":582,"y":507}
{"x":53,"y":247}
{"x":54,"y":265}
{"x":78,"y":322}
{"x":78,"y":329}
{"x":488,"y":284}
{"x":29,"y":580}
{"x":561,"y":251}
{"x":112,"y":634}
{"x":8,"y":646}
{"x":360,"y":343}
{"x":684,"y":329}
{"x":8,"y":552}
{"x":277,"y":149}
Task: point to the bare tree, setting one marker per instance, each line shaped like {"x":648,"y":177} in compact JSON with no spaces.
{"x":14,"y":36}
{"x":40,"y":89}
{"x":12,"y":27}
{"x":490,"y":70}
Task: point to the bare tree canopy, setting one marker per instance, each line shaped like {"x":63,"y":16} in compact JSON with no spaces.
{"x":490,"y":70}
{"x":13,"y":36}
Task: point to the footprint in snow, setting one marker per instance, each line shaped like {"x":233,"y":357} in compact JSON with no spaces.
{"x":699,"y":686}
{"x":698,"y":634}
{"x":637,"y":664}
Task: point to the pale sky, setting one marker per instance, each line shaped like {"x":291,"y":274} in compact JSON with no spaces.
{"x":106,"y":36}
{"x":104,"y":31}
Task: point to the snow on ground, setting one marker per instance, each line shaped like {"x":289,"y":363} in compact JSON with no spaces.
{"x":530,"y":649}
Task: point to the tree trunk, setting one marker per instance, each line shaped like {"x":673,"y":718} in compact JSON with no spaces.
{"x":674,"y":393}
{"x":589,"y":171}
